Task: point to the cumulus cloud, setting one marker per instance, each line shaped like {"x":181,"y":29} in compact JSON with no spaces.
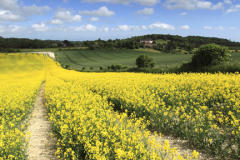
{"x":125,"y":28}
{"x":161,"y":26}
{"x":185,"y":27}
{"x":9,"y":16}
{"x":94,"y":19}
{"x":145,"y":11}
{"x":102,"y":11}
{"x":40,"y":27}
{"x":233,"y":9}
{"x":8,"y":29}
{"x":9,"y":5}
{"x":14,"y":12}
{"x":191,"y":4}
{"x":144,"y":27}
{"x":203,"y":5}
{"x":127,"y":2}
{"x":217,"y":6}
{"x":87,"y":27}
{"x":183,"y":14}
{"x":103,"y":29}
{"x":65,"y":15}
{"x":220,"y":28}
{"x":56,"y":21}
{"x":227,"y":1}
{"x":35,"y":10}
{"x":207,"y":27}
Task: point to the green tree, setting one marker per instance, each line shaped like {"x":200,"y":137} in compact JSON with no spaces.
{"x":144,"y":61}
{"x":210,"y":54}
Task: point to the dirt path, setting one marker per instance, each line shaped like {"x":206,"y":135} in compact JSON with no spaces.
{"x":42,"y":145}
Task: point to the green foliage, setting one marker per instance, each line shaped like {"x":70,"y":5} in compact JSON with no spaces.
{"x":91,"y":68}
{"x":119,"y":66}
{"x":210,"y":54}
{"x":83,"y":68}
{"x":109,"y":67}
{"x":101,"y":67}
{"x":67,"y":66}
{"x":144,"y":61}
{"x":113,"y":66}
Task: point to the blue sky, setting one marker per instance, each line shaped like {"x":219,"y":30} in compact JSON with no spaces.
{"x":111,"y":19}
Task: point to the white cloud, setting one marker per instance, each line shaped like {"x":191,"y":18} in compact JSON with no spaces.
{"x":217,"y":6}
{"x":185,"y":27}
{"x":227,"y":1}
{"x":94,"y":19}
{"x":40,"y":27}
{"x":183,"y":14}
{"x":232,"y":28}
{"x":207,"y":27}
{"x":63,"y":14}
{"x":144,"y":27}
{"x":9,"y":5}
{"x":161,"y":26}
{"x":125,"y":28}
{"x":65,"y":1}
{"x":233,"y":9}
{"x":9,"y":16}
{"x":180,"y":4}
{"x":56,"y":21}
{"x":102,"y":11}
{"x":35,"y":10}
{"x":17,"y":13}
{"x":145,"y":11}
{"x":87,"y":27}
{"x":127,"y":2}
{"x":220,"y":28}
{"x":103,"y":29}
{"x":203,"y":5}
{"x":191,"y":4}
{"x":8,"y":29}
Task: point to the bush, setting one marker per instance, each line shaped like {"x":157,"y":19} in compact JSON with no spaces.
{"x":108,"y":67}
{"x":67,"y":66}
{"x":101,"y":67}
{"x":119,"y":66}
{"x":83,"y":68}
{"x":144,"y":61}
{"x":210,"y":54}
{"x":91,"y":68}
{"x":113,"y":66}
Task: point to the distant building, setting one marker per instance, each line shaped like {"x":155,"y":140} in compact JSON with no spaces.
{"x":146,"y":41}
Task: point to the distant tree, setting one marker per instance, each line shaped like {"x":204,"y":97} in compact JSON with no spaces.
{"x":144,"y":61}
{"x":210,"y":54}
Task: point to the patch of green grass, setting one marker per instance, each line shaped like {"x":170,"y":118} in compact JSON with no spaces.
{"x":48,"y":49}
{"x":97,"y":58}
{"x":161,"y":41}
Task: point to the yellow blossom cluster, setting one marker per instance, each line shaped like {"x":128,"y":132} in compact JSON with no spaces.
{"x":21,"y":76}
{"x":87,"y":125}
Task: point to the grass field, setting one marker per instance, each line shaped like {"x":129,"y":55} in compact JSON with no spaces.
{"x":161,"y":41}
{"x":97,"y":58}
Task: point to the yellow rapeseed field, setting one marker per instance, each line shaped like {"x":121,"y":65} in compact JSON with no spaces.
{"x":106,"y":115}
{"x":21,"y":76}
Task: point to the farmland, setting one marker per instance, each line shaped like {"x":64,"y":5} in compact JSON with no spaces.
{"x":97,"y":58}
{"x":108,"y":115}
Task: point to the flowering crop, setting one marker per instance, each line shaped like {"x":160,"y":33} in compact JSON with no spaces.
{"x":87,"y":126}
{"x":21,"y":76}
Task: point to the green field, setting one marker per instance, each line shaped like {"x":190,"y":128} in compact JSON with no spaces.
{"x":161,"y":41}
{"x":96,"y":58}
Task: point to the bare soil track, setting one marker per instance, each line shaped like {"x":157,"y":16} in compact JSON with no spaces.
{"x":41,"y":145}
